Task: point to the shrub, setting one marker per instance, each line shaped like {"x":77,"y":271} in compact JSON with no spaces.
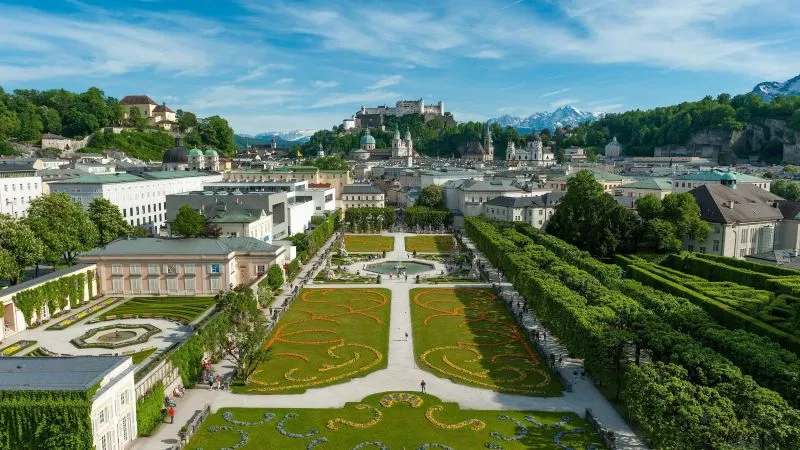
{"x":150,"y":410}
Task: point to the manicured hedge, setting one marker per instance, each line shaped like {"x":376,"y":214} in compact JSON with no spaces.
{"x":771,"y":269}
{"x":150,"y":410}
{"x":601,"y":324}
{"x":46,"y":419}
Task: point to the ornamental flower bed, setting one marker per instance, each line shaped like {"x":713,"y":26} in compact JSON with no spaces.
{"x":64,"y":323}
{"x":16,"y":347}
{"x":80,"y":341}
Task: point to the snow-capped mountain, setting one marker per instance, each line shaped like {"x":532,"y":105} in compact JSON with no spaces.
{"x":768,"y":90}
{"x":291,"y":136}
{"x":563,"y":116}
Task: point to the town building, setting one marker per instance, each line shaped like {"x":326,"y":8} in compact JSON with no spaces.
{"x":613,"y":149}
{"x":442,"y":176}
{"x":402,"y":148}
{"x":609,"y":181}
{"x":141,"y":199}
{"x":180,"y":158}
{"x":660,"y":187}
{"x":234,"y":219}
{"x":475,"y":151}
{"x":536,"y":210}
{"x":157,"y":115}
{"x":358,"y":195}
{"x":473,"y":194}
{"x":337,"y":179}
{"x":19,"y":184}
{"x":191,"y":266}
{"x":533,"y":154}
{"x":108,"y":380}
{"x":744,"y":219}
{"x":685,"y":183}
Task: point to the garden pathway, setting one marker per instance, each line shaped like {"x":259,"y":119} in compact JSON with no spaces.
{"x":403,"y":374}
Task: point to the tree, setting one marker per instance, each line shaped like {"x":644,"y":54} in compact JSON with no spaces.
{"x":649,"y":207}
{"x":21,"y":244}
{"x":215,"y":132}
{"x":330,"y":163}
{"x":589,"y":218}
{"x":186,"y":120}
{"x":135,"y":119}
{"x":212,"y":230}
{"x":431,"y":196}
{"x":188,"y":223}
{"x":243,"y":342}
{"x":786,"y":189}
{"x":108,"y":220}
{"x":681,"y":210}
{"x":9,"y":269}
{"x":62,"y":225}
{"x":275,"y":277}
{"x":661,"y":235}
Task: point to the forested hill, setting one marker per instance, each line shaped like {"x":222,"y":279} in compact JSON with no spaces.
{"x":27,"y":114}
{"x":640,"y":132}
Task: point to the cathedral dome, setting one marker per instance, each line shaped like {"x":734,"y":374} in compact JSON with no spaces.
{"x":211,"y":152}
{"x":367,"y":139}
{"x":176,"y":155}
{"x":195,"y":152}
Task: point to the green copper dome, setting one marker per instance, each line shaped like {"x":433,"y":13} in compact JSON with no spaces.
{"x":195,"y":152}
{"x":211,"y":152}
{"x":367,"y":139}
{"x":728,"y":176}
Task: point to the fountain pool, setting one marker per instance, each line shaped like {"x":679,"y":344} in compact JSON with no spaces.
{"x":390,"y":267}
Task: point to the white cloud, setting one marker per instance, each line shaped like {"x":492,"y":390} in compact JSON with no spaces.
{"x":361,"y":98}
{"x":284,"y":81}
{"x":254,"y":74}
{"x":241,"y":98}
{"x":563,"y":102}
{"x":319,"y":84}
{"x":487,"y":54}
{"x":552,"y":93}
{"x":386,"y":82}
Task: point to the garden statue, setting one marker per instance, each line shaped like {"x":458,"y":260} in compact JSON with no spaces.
{"x":342,"y":250}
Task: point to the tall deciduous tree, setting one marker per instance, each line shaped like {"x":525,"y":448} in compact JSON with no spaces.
{"x":431,"y":196}
{"x":21,"y":244}
{"x":275,"y":277}
{"x":681,"y":210}
{"x":108,"y":220}
{"x":215,"y":132}
{"x":188,"y":223}
{"x":590,"y":219}
{"x":62,"y":225}
{"x":9,"y":269}
{"x":243,"y":342}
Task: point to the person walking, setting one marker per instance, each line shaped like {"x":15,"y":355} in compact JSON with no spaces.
{"x":406,"y":336}
{"x":171,"y":414}
{"x":422,"y":386}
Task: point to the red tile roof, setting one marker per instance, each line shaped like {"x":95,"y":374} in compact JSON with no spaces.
{"x":137,"y":100}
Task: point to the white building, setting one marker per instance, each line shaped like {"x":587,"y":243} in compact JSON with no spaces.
{"x":536,"y":210}
{"x":690,"y":181}
{"x":473,"y":194}
{"x":660,"y":187}
{"x":440,"y":177}
{"x":357,"y":195}
{"x":533,"y":154}
{"x":113,"y":409}
{"x":142,"y":199}
{"x":18,"y":186}
{"x":744,"y":220}
{"x":402,"y":148}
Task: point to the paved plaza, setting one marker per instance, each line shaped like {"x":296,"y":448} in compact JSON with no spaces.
{"x":402,"y":374}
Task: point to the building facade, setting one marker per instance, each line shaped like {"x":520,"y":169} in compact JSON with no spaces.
{"x":533,"y":154}
{"x":358,"y":195}
{"x":141,"y":199}
{"x":613,"y":149}
{"x":191,"y":266}
{"x":536,"y":210}
{"x":19,"y":184}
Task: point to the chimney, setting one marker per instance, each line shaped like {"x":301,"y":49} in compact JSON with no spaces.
{"x":731,"y":203}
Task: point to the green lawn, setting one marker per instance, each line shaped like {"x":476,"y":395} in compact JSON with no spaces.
{"x":138,"y":357}
{"x":368,"y":243}
{"x":466,"y":335}
{"x":184,"y":309}
{"x":328,"y":336}
{"x":437,"y":243}
{"x":395,"y":425}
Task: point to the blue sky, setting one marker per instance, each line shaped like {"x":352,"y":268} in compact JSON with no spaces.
{"x":288,"y":65}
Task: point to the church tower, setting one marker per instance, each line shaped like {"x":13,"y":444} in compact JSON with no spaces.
{"x":511,"y":151}
{"x":487,"y":144}
{"x":409,"y":143}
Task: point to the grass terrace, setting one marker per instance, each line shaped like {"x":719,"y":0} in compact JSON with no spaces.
{"x":397,"y":420}
{"x":466,"y":335}
{"x":432,"y":243}
{"x":327,"y":336}
{"x":368,"y":243}
{"x":182,"y":309}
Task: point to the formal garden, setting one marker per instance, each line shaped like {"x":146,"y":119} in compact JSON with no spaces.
{"x":393,"y":420}
{"x":327,"y":336}
{"x":427,"y":243}
{"x":180,"y":309}
{"x":368,"y":243}
{"x":468,"y":336}
{"x":671,"y":365}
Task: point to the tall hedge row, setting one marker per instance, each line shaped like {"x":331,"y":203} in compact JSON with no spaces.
{"x":606,"y":327}
{"x":149,"y":410}
{"x":46,"y":419}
